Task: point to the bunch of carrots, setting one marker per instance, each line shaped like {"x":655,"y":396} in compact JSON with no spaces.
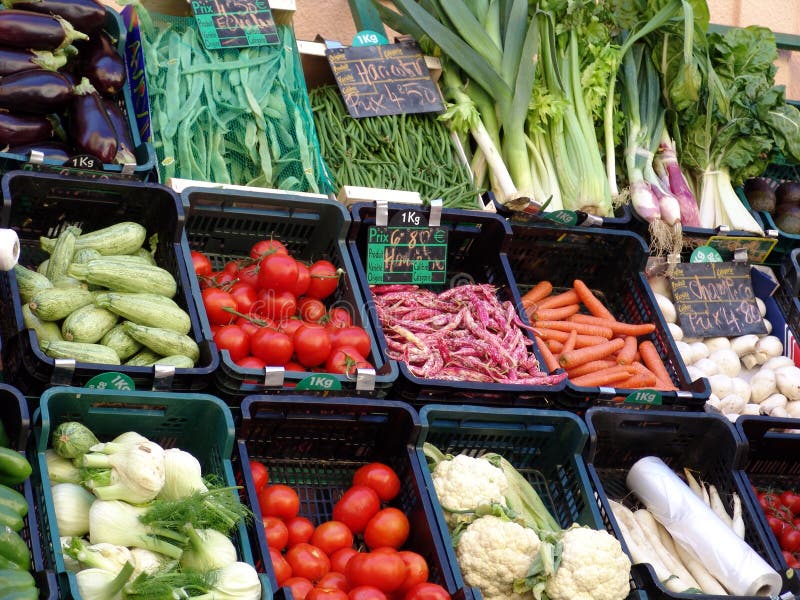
{"x":595,"y":349}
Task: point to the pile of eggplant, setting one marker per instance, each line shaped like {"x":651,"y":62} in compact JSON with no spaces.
{"x":61,"y":78}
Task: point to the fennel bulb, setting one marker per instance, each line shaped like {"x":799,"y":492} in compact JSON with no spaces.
{"x":147,"y":561}
{"x":182,"y":475}
{"x":69,"y":563}
{"x":237,"y":581}
{"x":72,"y":439}
{"x":99,"y":584}
{"x":208,"y":550}
{"x":130,"y":471}
{"x":118,"y":523}
{"x":60,"y":469}
{"x":108,"y":557}
{"x":71,"y":505}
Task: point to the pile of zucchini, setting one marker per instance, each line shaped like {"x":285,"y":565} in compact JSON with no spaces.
{"x":101,"y":298}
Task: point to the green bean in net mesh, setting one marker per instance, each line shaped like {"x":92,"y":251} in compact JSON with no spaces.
{"x":238,"y":116}
{"x":401,"y":152}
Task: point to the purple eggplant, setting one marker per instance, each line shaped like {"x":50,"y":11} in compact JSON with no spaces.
{"x":23,"y":29}
{"x":103,"y":65}
{"x":125,"y":153}
{"x":90,"y":129}
{"x":15,"y":60}
{"x":53,"y":151}
{"x":38,"y":92}
{"x":24,"y":129}
{"x":84,"y":15}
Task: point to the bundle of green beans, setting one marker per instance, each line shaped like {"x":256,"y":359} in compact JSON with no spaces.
{"x":237,"y":115}
{"x":400,"y":152}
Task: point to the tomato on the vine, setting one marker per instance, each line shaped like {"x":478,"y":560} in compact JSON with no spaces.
{"x":383,"y":570}
{"x":330,"y":536}
{"x":427,"y":591}
{"x":277,"y":306}
{"x":303,"y":280}
{"x":307,"y":560}
{"x":248,"y":274}
{"x":276,"y":532}
{"x":356,"y":507}
{"x":260,"y":475}
{"x":339,"y":317}
{"x":266,"y":247}
{"x":273,"y":347}
{"x":324,"y":279}
{"x":247,"y":326}
{"x":245,"y":296}
{"x":216,"y":301}
{"x":279,"y":500}
{"x":201,"y":263}
{"x":776,"y":524}
{"x":277,"y":272}
{"x":354,"y":336}
{"x":311,"y":309}
{"x":289,"y":326}
{"x":312,"y":345}
{"x":791,"y":500}
{"x":790,"y":539}
{"x":233,"y":339}
{"x":380,"y":477}
{"x":343,"y":360}
{"x":389,"y":527}
{"x":232,"y":267}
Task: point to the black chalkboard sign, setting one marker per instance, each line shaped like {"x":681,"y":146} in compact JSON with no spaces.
{"x":407,"y":251}
{"x":235,"y":23}
{"x":715,"y":299}
{"x":389,"y":79}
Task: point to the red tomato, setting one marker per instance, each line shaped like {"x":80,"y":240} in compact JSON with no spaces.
{"x":787,"y":556}
{"x":273,"y":347}
{"x":277,"y":272}
{"x":354,"y":336}
{"x":416,"y":569}
{"x":768,"y":500}
{"x":311,"y":309}
{"x":251,"y":362}
{"x":216,"y":300}
{"x":303,"y":280}
{"x":790,"y":539}
{"x":380,"y":477}
{"x":266,"y":247}
{"x":308,"y":561}
{"x":259,"y":474}
{"x":356,"y":507}
{"x":340,"y":557}
{"x":248,"y":275}
{"x":280,"y":566}
{"x":343,"y":360}
{"x":300,"y":530}
{"x":383,"y":570}
{"x":389,"y":527}
{"x":247,"y":326}
{"x":333,"y":580}
{"x":201,"y":263}
{"x":278,"y":500}
{"x":223,"y":278}
{"x":233,"y":339}
{"x":245,"y":295}
{"x":791,"y":501}
{"x":300,"y":587}
{"x":427,"y":591}
{"x":312,"y":345}
{"x":276,"y":305}
{"x":294,"y":366}
{"x":320,"y":593}
{"x":776,"y":524}
{"x":339,"y":317}
{"x":289,"y":326}
{"x":330,"y":536}
{"x":276,"y":532}
{"x":366,"y":592}
{"x":231,"y":267}
{"x":324,"y":279}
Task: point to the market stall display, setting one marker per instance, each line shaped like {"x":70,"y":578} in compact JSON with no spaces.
{"x":93,"y":224}
{"x":773,"y":194}
{"x":64,"y":90}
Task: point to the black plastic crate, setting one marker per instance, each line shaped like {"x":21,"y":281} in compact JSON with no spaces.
{"x":772,"y":461}
{"x":316,"y":445}
{"x":224,"y":224}
{"x":36,"y":204}
{"x":476,"y":253}
{"x":16,"y":421}
{"x":706,"y":443}
{"x":561,"y":255}
{"x":620,"y":220}
{"x":788,"y":291}
{"x":544,"y":446}
{"x":145,"y":168}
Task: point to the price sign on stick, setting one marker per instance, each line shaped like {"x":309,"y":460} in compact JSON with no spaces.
{"x":715,"y":299}
{"x":235,"y":23}
{"x":407,"y":251}
{"x":389,"y":79}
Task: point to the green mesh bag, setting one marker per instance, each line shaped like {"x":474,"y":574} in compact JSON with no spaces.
{"x":237,"y":116}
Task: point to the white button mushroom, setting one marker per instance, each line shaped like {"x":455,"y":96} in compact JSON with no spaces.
{"x":740,"y":387}
{"x":774,"y":401}
{"x":788,"y":382}
{"x":770,"y":345}
{"x":676,"y":331}
{"x":777,"y":362}
{"x":706,"y":366}
{"x":721,"y":385}
{"x":685,"y":350}
{"x":727,"y":362}
{"x":762,"y":385}
{"x":667,"y":308}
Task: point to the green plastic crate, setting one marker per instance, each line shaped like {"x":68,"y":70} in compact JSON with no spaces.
{"x":777,"y":173}
{"x":197,"y":423}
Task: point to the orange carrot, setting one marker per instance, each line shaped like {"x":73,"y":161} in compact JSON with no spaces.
{"x":615,"y":326}
{"x":562,"y":336}
{"x":638,"y":381}
{"x":582,"y":328}
{"x":590,"y":301}
{"x":590,"y":367}
{"x":555,"y":314}
{"x":653,"y":361}
{"x":555,"y":346}
{"x":549,"y":358}
{"x":604,"y":377}
{"x":559,"y":300}
{"x":580,"y":356}
{"x":625,"y":356}
{"x":538,"y":292}
{"x":571,"y":341}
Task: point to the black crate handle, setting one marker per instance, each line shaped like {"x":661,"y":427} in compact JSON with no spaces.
{"x":790,"y":272}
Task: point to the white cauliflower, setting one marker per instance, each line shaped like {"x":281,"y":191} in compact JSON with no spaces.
{"x":493,"y":553}
{"x":465,"y":483}
{"x":593,"y":567}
